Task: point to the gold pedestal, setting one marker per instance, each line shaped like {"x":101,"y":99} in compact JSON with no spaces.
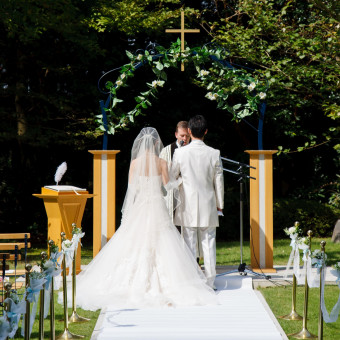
{"x":68,"y":335}
{"x":293,"y":315}
{"x":304,"y":334}
{"x":76,"y":318}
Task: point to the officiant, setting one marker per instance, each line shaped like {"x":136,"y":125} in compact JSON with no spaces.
{"x":182,"y":139}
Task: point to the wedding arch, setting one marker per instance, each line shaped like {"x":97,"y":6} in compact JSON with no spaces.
{"x":221,"y":79}
{"x":239,"y":90}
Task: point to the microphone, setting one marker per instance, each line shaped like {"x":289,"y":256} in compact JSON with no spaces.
{"x":181,"y":143}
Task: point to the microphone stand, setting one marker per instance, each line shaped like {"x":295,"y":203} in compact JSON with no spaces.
{"x":242,"y":268}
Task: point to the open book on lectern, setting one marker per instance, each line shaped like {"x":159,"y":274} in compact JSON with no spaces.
{"x":61,"y":188}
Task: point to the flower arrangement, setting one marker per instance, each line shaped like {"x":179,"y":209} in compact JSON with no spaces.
{"x":318,"y":258}
{"x":303,"y":241}
{"x":75,"y":229}
{"x":295,"y":230}
{"x":14,"y":296}
{"x":337,"y":267}
{"x":67,"y":244}
{"x":36,"y":275}
{"x":54,"y":248}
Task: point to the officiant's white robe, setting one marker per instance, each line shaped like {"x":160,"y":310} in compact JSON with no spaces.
{"x":166,"y":154}
{"x":201,"y":193}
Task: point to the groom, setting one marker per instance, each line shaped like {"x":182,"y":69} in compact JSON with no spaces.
{"x":201,"y":194}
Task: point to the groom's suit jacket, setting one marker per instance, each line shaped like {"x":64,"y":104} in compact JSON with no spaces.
{"x":202,"y":189}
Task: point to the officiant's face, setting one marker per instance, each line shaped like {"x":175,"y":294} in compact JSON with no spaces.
{"x":182,"y":135}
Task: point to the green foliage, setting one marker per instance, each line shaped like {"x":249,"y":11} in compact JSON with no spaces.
{"x":279,"y":300}
{"x":221,"y":82}
{"x":294,"y":45}
{"x":315,"y":216}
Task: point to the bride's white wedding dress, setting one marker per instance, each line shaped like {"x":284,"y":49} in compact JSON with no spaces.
{"x":146,"y":263}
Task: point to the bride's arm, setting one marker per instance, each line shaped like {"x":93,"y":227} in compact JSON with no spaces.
{"x":164,"y":172}
{"x":168,"y":180}
{"x":132,"y":168}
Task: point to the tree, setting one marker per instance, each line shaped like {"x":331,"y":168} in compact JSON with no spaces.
{"x":295,"y":46}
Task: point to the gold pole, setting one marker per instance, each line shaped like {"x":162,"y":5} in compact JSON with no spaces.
{"x":304,"y":333}
{"x":293,"y":315}
{"x":74,"y":316}
{"x":42,"y":303}
{"x":67,"y":334}
{"x":320,"y":328}
{"x":28,"y":268}
{"x":7,"y":305}
{"x":52,"y":318}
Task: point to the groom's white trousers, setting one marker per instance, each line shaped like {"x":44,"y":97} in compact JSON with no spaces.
{"x":208,"y":240}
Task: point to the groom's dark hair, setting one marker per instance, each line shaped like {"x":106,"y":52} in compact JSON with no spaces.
{"x":198,"y":125}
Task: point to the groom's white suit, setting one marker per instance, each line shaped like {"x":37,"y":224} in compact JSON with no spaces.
{"x":201,"y":193}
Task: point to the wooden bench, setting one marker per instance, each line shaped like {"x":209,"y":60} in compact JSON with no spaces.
{"x":14,"y":242}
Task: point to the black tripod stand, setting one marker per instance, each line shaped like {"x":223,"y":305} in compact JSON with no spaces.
{"x":242,"y":268}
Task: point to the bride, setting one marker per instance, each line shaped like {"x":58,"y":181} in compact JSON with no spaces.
{"x":145,"y":263}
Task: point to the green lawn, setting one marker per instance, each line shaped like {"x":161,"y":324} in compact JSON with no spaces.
{"x":229,"y":253}
{"x":280,"y":302}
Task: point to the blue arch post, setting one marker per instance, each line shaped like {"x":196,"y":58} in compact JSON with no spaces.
{"x":260,"y":126}
{"x":103,"y":111}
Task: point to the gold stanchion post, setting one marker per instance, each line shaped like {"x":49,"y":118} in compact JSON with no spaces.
{"x":28,"y":268}
{"x":293,"y":315}
{"x":42,"y":303}
{"x":67,"y":334}
{"x":52,"y":318}
{"x":320,"y":326}
{"x":74,"y":316}
{"x":7,"y":305}
{"x":304,"y":333}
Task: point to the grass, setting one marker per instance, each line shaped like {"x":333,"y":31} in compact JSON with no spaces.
{"x":84,"y":328}
{"x":227,"y":253}
{"x":280,"y":302}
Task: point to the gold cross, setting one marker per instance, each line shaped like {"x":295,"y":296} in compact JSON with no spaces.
{"x":182,"y":30}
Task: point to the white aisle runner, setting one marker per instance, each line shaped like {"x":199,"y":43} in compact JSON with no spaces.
{"x":241,"y":315}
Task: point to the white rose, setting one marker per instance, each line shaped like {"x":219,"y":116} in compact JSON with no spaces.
{"x":251,"y":86}
{"x":204,"y":72}
{"x":48,"y":264}
{"x":160,"y":83}
{"x":291,"y":230}
{"x":119,"y":82}
{"x":262,"y":95}
{"x":139,"y":57}
{"x":67,"y":243}
{"x":154,"y":83}
{"x":122,"y":76}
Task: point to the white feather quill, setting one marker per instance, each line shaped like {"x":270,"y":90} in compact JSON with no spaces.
{"x":60,"y":172}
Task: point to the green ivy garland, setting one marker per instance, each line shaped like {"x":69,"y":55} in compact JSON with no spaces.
{"x":219,"y":81}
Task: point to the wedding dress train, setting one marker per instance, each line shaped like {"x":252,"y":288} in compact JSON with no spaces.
{"x":146,"y":263}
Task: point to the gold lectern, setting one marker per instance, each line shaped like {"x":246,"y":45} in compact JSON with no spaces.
{"x":64,"y":208}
